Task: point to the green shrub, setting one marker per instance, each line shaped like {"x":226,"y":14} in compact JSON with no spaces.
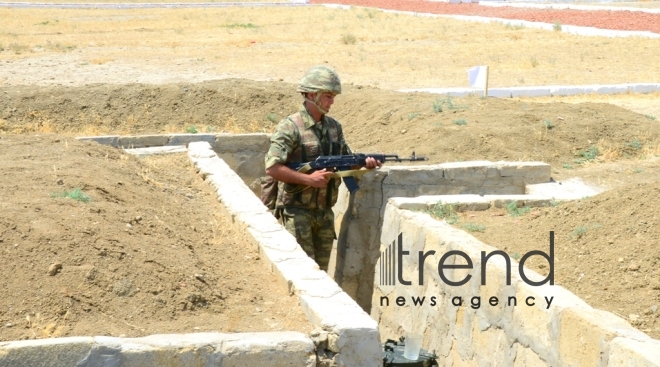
{"x":514,"y":211}
{"x":445,"y":211}
{"x":75,"y":194}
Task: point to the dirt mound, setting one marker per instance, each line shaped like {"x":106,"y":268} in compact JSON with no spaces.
{"x":441,"y":127}
{"x":605,"y":248}
{"x":129,"y":256}
{"x":141,"y":248}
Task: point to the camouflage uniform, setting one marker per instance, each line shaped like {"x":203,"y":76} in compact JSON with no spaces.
{"x":307,"y":214}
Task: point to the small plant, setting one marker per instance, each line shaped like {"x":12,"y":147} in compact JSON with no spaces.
{"x":446,"y":103}
{"x":567,"y":166}
{"x":191,"y":129}
{"x":75,"y":194}
{"x":272,"y":117}
{"x":240,"y":25}
{"x":514,"y":211}
{"x":210,"y":129}
{"x":557,"y":27}
{"x":445,"y":211}
{"x":437,"y":107}
{"x":578,"y":232}
{"x":548,"y":124}
{"x":413,"y":115}
{"x":533,"y":61}
{"x":554,"y":203}
{"x":473,"y":227}
{"x":515,"y":256}
{"x":638,"y":170}
{"x":635,"y":144}
{"x":18,"y":48}
{"x":460,"y":122}
{"x":588,"y":155}
{"x":650,"y":117}
{"x":348,"y":39}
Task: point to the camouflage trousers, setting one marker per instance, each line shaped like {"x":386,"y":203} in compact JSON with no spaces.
{"x":315,"y":231}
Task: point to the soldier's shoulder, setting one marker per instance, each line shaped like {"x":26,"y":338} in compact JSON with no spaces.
{"x":332,"y":120}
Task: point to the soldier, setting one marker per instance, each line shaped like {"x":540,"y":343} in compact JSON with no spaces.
{"x":304,"y":201}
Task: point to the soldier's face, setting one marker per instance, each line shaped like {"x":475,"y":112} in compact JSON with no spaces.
{"x":327,"y":100}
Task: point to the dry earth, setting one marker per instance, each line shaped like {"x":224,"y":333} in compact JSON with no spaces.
{"x":149,"y":253}
{"x":104,"y":262}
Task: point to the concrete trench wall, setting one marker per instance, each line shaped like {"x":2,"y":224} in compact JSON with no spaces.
{"x":567,"y":333}
{"x":177,"y":350}
{"x":359,"y":222}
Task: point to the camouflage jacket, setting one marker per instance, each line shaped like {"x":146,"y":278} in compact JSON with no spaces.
{"x":296,"y":139}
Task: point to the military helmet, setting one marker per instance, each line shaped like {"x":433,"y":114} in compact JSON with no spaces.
{"x":320,"y":79}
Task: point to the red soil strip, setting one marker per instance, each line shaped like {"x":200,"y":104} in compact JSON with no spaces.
{"x":606,"y":19}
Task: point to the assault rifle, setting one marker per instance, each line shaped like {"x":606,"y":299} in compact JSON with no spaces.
{"x":344,"y":165}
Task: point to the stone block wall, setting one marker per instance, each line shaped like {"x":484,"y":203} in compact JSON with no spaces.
{"x":360,"y":222}
{"x":276,"y":349}
{"x":349,"y":336}
{"x":563,"y":332}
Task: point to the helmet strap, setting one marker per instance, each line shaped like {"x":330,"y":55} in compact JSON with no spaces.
{"x":316,"y":102}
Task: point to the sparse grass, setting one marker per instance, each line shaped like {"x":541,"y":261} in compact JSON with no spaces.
{"x":474,"y":227}
{"x":413,"y":115}
{"x":635,"y":144}
{"x":578,"y":232}
{"x":460,"y":122}
{"x":533,"y":61}
{"x":588,"y":154}
{"x":650,"y":117}
{"x":445,"y":211}
{"x":514,"y":211}
{"x":58,"y":47}
{"x":446,"y":103}
{"x":191,"y":130}
{"x":567,"y":166}
{"x":557,"y":27}
{"x":47,"y":22}
{"x":348,"y":39}
{"x":240,"y":25}
{"x":113,"y":33}
{"x":272,"y":117}
{"x":18,"y":48}
{"x":548,"y":124}
{"x":75,"y":194}
{"x":638,"y":170}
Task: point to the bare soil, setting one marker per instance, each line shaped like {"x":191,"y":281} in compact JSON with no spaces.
{"x":149,"y":253}
{"x":605,"y":246}
{"x":140,"y":279}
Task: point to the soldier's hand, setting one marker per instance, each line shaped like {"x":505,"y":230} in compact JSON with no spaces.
{"x":319,"y":179}
{"x":371,"y":162}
